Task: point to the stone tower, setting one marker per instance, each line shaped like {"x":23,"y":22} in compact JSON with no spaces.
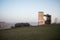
{"x":41,"y":20}
{"x":48,"y":21}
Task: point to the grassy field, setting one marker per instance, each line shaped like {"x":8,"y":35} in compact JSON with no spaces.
{"x":47,"y":32}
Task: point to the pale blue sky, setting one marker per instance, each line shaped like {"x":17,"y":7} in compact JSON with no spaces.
{"x":27,"y":10}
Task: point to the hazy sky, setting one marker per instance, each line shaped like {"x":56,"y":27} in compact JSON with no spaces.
{"x":27,"y":10}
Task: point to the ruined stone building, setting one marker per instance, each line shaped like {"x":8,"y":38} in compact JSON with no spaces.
{"x":41,"y":20}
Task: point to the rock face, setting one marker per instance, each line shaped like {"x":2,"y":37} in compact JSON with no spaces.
{"x":4,"y":25}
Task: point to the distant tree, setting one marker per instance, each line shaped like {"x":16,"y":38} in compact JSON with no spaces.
{"x":27,"y":24}
{"x":22,"y":24}
{"x":55,"y":21}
